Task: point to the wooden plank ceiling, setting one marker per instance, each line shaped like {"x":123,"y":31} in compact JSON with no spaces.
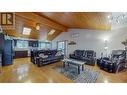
{"x":85,"y":20}
{"x":60,"y":21}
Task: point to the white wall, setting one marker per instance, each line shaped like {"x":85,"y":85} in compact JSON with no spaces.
{"x":93,"y":39}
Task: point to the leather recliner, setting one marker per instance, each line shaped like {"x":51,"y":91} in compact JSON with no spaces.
{"x":77,"y":54}
{"x":114,"y":64}
{"x":88,"y":56}
{"x":44,"y":57}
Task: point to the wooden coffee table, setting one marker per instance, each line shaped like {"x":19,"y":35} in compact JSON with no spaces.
{"x":79,"y":64}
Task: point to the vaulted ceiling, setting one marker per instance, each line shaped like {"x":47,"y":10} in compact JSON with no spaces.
{"x":60,"y":21}
{"x":85,"y":20}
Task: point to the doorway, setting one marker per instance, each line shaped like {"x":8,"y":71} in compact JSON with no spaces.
{"x":62,"y":45}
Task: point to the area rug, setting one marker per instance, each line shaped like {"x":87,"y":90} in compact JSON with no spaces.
{"x":86,"y":76}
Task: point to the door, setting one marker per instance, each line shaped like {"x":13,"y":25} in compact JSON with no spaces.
{"x":62,"y":45}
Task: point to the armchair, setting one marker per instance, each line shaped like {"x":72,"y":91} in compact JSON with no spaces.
{"x":114,"y":64}
{"x":90,"y":57}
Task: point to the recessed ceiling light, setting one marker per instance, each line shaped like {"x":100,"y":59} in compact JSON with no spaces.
{"x":26,"y":31}
{"x":51,"y":32}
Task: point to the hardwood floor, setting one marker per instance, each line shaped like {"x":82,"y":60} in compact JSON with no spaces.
{"x":23,"y":71}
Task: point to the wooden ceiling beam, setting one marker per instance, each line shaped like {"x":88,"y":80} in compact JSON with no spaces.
{"x":39,"y":19}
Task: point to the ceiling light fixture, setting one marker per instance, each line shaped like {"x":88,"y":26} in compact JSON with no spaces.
{"x":37,"y":26}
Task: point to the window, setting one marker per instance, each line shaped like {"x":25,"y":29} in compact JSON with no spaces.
{"x":26,"y":31}
{"x":61,"y":46}
{"x":22,"y":44}
{"x":44,"y":45}
{"x":41,"y":45}
{"x":48,"y":45}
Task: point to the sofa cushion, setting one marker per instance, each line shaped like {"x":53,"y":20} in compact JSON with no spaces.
{"x":42,"y":55}
{"x":79,"y":52}
{"x":89,"y":53}
{"x":58,"y":53}
{"x":53,"y":52}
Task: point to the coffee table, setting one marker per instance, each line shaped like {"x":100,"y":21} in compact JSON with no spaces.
{"x":69,"y":61}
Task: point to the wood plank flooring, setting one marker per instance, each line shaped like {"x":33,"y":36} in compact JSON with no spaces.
{"x":23,"y":71}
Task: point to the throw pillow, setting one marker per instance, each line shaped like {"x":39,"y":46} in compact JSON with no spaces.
{"x":58,"y":54}
{"x":42,"y":55}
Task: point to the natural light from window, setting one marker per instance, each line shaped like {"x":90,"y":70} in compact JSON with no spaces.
{"x":22,"y":44}
{"x":26,"y":31}
{"x":51,"y":32}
